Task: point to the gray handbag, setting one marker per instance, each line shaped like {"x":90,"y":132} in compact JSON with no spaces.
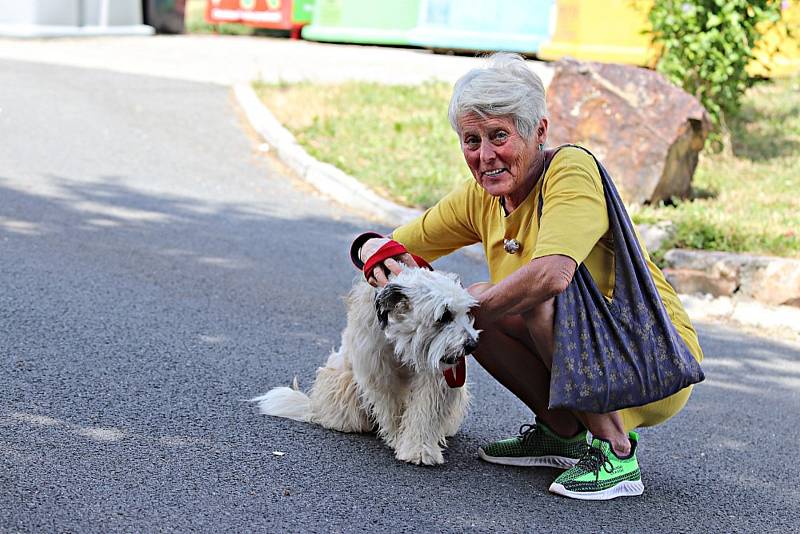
{"x":620,"y":353}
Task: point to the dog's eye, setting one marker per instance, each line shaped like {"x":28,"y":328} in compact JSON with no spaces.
{"x":446,"y":317}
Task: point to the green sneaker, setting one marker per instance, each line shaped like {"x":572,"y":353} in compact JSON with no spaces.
{"x":601,"y":474}
{"x":536,"y":445}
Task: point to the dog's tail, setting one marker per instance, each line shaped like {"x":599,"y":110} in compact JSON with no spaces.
{"x":286,"y":402}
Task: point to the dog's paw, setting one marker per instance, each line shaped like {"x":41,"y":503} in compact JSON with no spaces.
{"x":390,"y":440}
{"x":420,"y":455}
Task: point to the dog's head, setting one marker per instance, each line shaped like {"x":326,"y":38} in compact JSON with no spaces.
{"x":425,"y":316}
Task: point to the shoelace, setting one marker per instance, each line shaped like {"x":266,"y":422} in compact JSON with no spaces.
{"x":593,"y":460}
{"x":527,"y":432}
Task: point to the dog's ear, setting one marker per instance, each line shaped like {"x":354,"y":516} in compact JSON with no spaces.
{"x":387,"y":300}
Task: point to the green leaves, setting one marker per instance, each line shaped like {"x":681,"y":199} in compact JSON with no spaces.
{"x":706,"y":46}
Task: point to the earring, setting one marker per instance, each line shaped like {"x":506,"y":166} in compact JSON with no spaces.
{"x":541,"y":147}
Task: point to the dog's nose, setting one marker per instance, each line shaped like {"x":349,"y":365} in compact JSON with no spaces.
{"x":470,"y":346}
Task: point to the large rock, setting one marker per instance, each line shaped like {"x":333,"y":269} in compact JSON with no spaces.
{"x":713,"y":282}
{"x":647,"y":132}
{"x":773,"y":281}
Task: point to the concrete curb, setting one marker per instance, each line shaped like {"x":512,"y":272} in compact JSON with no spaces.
{"x":784,"y":319}
{"x":765,"y":279}
{"x":348,"y":191}
{"x":323,"y":176}
{"x":46,"y":31}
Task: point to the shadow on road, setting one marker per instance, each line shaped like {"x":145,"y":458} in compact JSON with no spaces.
{"x":139,"y":322}
{"x":225,"y":234}
{"x":751,"y":366}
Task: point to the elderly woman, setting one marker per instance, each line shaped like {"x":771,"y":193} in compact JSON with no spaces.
{"x":499,"y":115}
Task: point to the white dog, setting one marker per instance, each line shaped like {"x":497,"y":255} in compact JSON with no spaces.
{"x":387,"y":374}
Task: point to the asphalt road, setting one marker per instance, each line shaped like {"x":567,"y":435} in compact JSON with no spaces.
{"x":156,"y":270}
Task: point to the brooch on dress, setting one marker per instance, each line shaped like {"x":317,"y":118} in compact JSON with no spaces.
{"x":511,"y":246}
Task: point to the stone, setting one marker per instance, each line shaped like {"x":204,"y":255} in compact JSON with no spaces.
{"x":766,"y":279}
{"x":647,"y":132}
{"x":690,"y":281}
{"x":776,"y":281}
{"x":654,"y":235}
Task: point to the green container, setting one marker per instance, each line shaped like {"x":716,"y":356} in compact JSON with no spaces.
{"x":302,"y":11}
{"x":363,"y":21}
{"x":508,"y":25}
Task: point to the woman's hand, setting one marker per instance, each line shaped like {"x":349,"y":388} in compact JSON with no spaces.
{"x":380,"y":274}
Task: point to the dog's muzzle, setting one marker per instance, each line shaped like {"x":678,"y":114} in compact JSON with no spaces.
{"x":470,"y":346}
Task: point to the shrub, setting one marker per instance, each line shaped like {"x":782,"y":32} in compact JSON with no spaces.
{"x":706,"y":45}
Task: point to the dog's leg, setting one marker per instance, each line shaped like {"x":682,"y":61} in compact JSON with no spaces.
{"x":336,"y":399}
{"x":380,"y":379}
{"x":457,"y":401}
{"x":426,"y":419}
{"x":383,"y":386}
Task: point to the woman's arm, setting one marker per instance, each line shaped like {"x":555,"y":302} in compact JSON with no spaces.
{"x":538,"y":281}
{"x":443,"y":228}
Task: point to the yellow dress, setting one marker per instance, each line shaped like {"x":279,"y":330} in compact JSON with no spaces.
{"x":574,"y":224}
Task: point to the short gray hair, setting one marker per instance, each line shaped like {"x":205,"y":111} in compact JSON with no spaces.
{"x":506,"y":87}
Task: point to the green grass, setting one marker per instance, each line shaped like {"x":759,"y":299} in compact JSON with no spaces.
{"x":749,"y":200}
{"x":397,"y":140}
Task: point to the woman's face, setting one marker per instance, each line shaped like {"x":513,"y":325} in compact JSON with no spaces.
{"x":500,"y":159}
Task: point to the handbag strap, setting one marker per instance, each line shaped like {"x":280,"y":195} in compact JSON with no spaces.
{"x":548,"y":158}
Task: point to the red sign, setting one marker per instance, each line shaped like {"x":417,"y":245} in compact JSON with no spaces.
{"x":276,"y":14}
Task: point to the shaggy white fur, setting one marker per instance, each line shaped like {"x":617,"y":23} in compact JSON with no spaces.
{"x":387,"y":374}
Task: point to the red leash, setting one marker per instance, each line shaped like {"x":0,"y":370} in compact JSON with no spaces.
{"x":454,"y":376}
{"x":456,"y":379}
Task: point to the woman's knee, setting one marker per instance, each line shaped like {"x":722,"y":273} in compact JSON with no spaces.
{"x":539,"y":319}
{"x":539,"y":323}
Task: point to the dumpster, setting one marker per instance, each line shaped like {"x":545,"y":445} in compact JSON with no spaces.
{"x":272,"y":14}
{"x":579,"y":33}
{"x":507,"y":25}
{"x":363,"y":21}
{"x":778,"y":53}
{"x":166,"y":16}
{"x":302,"y":11}
{"x":66,"y":18}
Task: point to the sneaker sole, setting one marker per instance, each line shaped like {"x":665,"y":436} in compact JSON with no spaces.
{"x":561,"y":462}
{"x":626,"y":488}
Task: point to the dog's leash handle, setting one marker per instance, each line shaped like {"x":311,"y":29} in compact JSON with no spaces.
{"x":355,"y":248}
{"x":389,"y":249}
